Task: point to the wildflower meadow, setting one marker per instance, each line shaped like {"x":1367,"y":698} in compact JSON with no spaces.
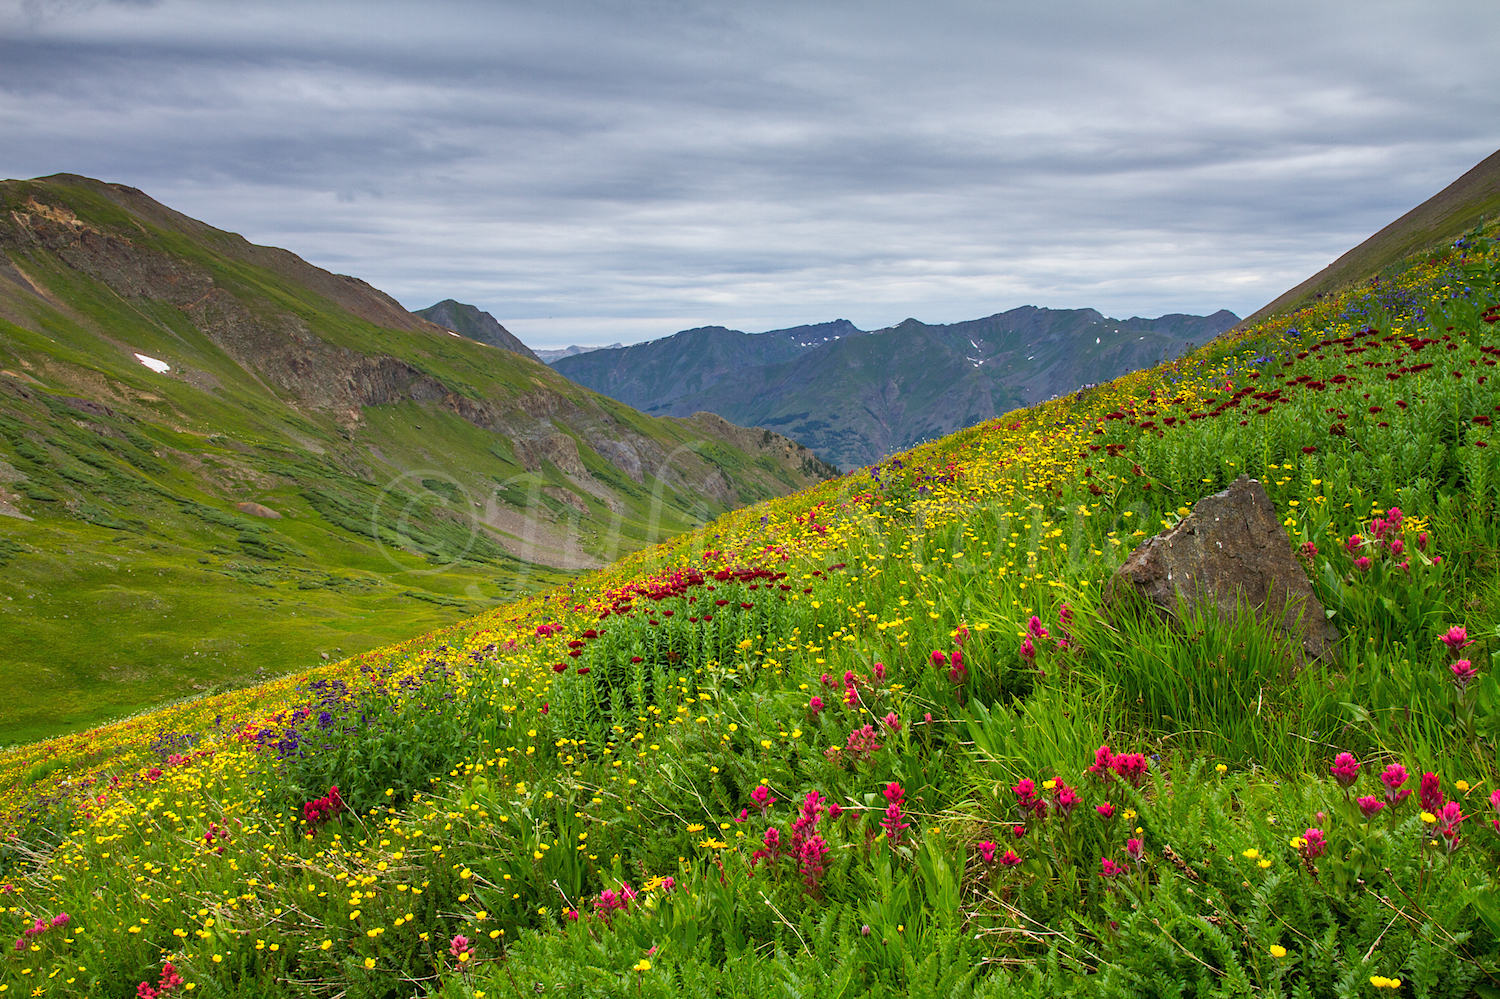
{"x":880,"y":737}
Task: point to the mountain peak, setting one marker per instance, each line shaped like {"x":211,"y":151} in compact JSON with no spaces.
{"x":469,"y":321}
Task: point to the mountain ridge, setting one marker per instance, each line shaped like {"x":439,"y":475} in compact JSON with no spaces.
{"x":854,"y":395}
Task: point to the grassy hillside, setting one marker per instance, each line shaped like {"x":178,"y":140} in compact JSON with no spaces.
{"x":1440,"y":219}
{"x":418,"y":477}
{"x":876,"y":737}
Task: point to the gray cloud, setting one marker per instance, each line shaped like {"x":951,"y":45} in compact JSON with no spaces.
{"x":640,"y":167}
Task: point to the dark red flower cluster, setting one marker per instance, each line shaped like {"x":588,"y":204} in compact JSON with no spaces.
{"x":322,"y":809}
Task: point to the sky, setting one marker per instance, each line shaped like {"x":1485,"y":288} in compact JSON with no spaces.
{"x":618,"y":170}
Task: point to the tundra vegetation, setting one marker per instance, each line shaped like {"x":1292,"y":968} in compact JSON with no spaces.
{"x":877,"y":737}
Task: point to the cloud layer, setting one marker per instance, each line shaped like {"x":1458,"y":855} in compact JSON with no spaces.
{"x":619,"y":170}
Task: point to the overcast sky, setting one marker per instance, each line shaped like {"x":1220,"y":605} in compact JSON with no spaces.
{"x":599,"y":171}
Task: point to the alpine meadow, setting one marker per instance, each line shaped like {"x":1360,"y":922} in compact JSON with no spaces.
{"x":880,"y":736}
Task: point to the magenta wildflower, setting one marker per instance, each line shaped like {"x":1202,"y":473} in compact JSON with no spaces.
{"x":1431,"y":793}
{"x":1495,"y":805}
{"x":1025,"y":793}
{"x":1028,"y":651}
{"x":1010,"y":858}
{"x":1067,"y":799}
{"x":1370,"y":805}
{"x":892,"y":722}
{"x":1131,"y":766}
{"x":1104,"y":762}
{"x":1362,"y":563}
{"x":1456,"y":638}
{"x":1314,"y":844}
{"x":894,"y":823}
{"x":862,"y":742}
{"x":1353,"y":544}
{"x":1135,"y":850}
{"x":772,"y":848}
{"x":762,"y":798}
{"x":880,"y":672}
{"x":1345,"y":769}
{"x":1397,"y":547}
{"x":1106,"y":810}
{"x":807,"y":820}
{"x":459,"y":946}
{"x":939,"y":658}
{"x":1034,"y":628}
{"x":1449,"y":818}
{"x":1109,"y":869}
{"x":1308,"y":550}
{"x":987,"y":851}
{"x":1463,"y":673}
{"x":1018,"y":831}
{"x":811,"y":862}
{"x":958,"y":671}
{"x":1394,"y":776}
{"x":815,"y":705}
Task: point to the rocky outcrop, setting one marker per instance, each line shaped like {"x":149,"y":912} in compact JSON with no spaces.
{"x":1230,"y":553}
{"x":257,"y":510}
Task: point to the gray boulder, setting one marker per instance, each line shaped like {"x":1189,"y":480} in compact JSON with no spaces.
{"x":1230,"y":552}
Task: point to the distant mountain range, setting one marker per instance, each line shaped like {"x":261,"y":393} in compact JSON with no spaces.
{"x":549,"y":356}
{"x":854,"y":396}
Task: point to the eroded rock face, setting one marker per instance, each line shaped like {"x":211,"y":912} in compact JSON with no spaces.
{"x":257,"y":510}
{"x":1230,"y":551}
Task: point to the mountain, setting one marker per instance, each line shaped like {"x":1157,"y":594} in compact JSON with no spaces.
{"x":218,"y":461}
{"x":548,"y":356}
{"x":1449,"y":213}
{"x":855,"y":396}
{"x":466,"y":320}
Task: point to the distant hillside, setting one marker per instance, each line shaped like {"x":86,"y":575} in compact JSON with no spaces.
{"x":218,"y":461}
{"x":1455,"y":209}
{"x":466,"y":320}
{"x":855,"y":396}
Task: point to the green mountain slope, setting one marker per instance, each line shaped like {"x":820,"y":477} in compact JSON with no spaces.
{"x":855,"y":396}
{"x":1454,"y":210}
{"x":315,"y":470}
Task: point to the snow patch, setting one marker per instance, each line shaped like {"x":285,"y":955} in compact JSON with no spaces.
{"x":160,"y":367}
